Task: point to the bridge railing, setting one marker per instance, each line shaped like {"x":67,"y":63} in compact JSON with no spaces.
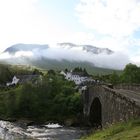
{"x":133,"y":87}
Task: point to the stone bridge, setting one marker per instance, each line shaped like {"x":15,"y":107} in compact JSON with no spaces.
{"x":104,"y":105}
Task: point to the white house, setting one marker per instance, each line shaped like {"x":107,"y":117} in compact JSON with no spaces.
{"x":21,"y":79}
{"x":77,"y":77}
{"x":15,"y":80}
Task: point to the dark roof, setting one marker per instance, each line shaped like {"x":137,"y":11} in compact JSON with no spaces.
{"x":27,"y":78}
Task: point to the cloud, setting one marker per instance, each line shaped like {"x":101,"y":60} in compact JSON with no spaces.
{"x":4,"y":56}
{"x":109,"y":23}
{"x":23,"y":54}
{"x":18,"y":54}
{"x":116,"y":60}
{"x":22,"y":21}
{"x":115,"y":22}
{"x":110,"y":17}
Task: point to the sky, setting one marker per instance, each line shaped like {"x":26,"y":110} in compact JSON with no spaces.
{"x":113,"y":24}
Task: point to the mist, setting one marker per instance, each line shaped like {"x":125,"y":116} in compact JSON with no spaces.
{"x":116,"y":60}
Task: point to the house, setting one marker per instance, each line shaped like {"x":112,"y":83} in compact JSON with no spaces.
{"x":77,"y":77}
{"x":15,"y":80}
{"x":21,"y":79}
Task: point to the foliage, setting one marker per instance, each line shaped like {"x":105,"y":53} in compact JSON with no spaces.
{"x":52,"y":99}
{"x":120,"y":131}
{"x":8,"y":71}
{"x":5,"y":74}
{"x":131,"y":74}
{"x":37,"y":72}
{"x":80,"y":70}
{"x":114,"y":78}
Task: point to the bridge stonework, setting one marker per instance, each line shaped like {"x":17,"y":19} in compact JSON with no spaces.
{"x":103,"y":106}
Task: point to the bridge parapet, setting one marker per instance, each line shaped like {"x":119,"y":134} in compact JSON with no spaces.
{"x":133,"y":87}
{"x":122,"y":96}
{"x":115,"y":106}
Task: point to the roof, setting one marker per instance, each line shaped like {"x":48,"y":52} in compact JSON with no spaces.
{"x":26,"y":78}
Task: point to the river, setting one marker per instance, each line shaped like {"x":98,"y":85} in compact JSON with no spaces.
{"x":14,"y":131}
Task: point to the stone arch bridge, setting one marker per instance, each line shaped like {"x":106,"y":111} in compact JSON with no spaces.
{"x":105,"y":105}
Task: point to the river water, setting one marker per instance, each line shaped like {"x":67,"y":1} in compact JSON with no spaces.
{"x":14,"y":131}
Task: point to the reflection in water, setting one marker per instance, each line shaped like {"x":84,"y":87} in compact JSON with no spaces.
{"x":12,"y":131}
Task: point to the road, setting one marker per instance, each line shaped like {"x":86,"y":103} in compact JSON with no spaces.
{"x":133,"y":95}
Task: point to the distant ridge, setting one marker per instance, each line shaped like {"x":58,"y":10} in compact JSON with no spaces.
{"x":44,"y":56}
{"x":25,"y":47}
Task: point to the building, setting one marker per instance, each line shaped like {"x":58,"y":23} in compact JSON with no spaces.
{"x":77,"y":77}
{"x":21,"y":79}
{"x":15,"y":81}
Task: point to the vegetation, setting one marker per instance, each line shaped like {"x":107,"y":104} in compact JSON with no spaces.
{"x":120,"y":131}
{"x":8,"y":71}
{"x":130,"y":74}
{"x":80,"y":71}
{"x":52,"y":99}
{"x":61,"y":65}
{"x":5,"y":74}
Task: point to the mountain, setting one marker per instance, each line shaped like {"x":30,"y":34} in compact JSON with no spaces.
{"x":87,"y":48}
{"x":60,"y":56}
{"x":25,"y":47}
{"x":30,"y":47}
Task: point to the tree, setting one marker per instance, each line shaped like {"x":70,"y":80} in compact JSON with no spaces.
{"x":54,"y":100}
{"x":36,"y":72}
{"x":131,"y":74}
{"x":66,"y":70}
{"x":85,"y":72}
{"x":5,"y":74}
{"x":114,"y":78}
{"x":51,"y":72}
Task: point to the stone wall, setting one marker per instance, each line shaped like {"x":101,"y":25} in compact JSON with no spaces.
{"x":114,"y":106}
{"x":118,"y":107}
{"x":133,"y":87}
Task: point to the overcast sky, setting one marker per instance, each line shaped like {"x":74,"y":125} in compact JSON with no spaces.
{"x":114,"y":24}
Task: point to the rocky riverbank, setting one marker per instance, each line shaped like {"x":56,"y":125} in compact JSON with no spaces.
{"x":24,"y":130}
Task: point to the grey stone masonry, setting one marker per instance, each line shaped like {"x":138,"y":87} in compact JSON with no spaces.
{"x":104,"y":105}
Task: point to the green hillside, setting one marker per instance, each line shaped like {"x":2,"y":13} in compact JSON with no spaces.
{"x":61,"y":65}
{"x":121,"y":131}
{"x":47,"y":64}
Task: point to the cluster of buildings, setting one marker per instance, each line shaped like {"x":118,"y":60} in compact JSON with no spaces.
{"x":79,"y":78}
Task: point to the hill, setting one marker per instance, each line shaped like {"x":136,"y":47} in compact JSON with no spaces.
{"x":62,"y":65}
{"x":61,"y":56}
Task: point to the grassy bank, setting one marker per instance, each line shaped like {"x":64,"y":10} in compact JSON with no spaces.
{"x":120,"y":131}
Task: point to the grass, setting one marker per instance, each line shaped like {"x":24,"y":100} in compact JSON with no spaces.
{"x":120,"y":131}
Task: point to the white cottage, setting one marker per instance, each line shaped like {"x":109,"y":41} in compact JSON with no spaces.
{"x":15,"y":80}
{"x":77,"y":77}
{"x":21,"y":79}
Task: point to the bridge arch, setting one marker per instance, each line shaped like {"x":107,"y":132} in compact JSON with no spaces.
{"x":95,"y":116}
{"x":104,"y":106}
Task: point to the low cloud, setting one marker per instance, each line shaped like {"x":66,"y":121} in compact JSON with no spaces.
{"x":111,"y":17}
{"x":116,"y":24}
{"x":116,"y":60}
